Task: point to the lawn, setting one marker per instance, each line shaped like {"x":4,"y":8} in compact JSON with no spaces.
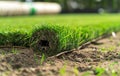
{"x":56,"y":33}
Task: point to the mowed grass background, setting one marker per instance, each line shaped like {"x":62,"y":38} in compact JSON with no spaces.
{"x":63,"y":32}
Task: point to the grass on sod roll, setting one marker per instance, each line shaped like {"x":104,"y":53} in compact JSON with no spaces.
{"x":52,"y":34}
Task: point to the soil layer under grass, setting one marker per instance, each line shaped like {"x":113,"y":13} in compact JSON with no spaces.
{"x":98,"y":58}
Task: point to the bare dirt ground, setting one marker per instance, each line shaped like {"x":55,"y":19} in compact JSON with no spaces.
{"x":101,"y":58}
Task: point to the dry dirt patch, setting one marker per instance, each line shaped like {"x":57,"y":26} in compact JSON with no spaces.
{"x":25,"y":62}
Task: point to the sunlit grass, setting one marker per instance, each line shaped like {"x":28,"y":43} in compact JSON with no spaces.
{"x":71,"y":30}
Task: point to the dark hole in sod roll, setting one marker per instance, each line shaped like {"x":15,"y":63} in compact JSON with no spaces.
{"x":43,"y":44}
{"x":45,"y":41}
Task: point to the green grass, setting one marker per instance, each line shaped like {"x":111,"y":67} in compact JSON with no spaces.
{"x":40,"y":60}
{"x":110,"y":70}
{"x":59,"y":32}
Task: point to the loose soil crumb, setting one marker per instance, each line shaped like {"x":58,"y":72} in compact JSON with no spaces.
{"x":104,"y":54}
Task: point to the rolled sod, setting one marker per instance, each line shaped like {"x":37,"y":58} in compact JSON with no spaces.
{"x":44,"y":40}
{"x":42,"y":34}
{"x":28,"y":8}
{"x":53,"y":39}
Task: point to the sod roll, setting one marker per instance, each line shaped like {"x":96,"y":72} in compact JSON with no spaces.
{"x":47,"y":8}
{"x":53,"y":39}
{"x":8,"y":8}
{"x":44,"y":40}
{"x":69,"y":32}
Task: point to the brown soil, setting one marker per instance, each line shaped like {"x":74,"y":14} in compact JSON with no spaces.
{"x":104,"y":53}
